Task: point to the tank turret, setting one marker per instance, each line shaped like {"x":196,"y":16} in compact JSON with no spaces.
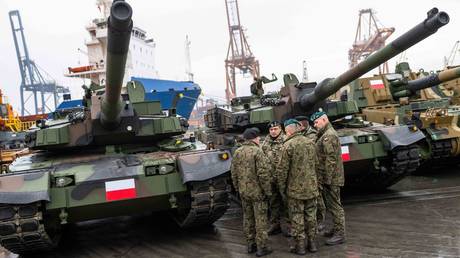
{"x":296,"y":98}
{"x":108,"y":116}
{"x":329,"y":86}
{"x":403,"y":88}
{"x":119,"y":30}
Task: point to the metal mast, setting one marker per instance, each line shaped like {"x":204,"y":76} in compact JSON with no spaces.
{"x":188,"y":59}
{"x":368,"y":39}
{"x":239,"y":55}
{"x":32,"y":79}
{"x":305,"y":71}
{"x":449,"y":61}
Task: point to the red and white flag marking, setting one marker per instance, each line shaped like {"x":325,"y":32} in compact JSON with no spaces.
{"x":345,"y":153}
{"x":120,"y":189}
{"x":377,"y":84}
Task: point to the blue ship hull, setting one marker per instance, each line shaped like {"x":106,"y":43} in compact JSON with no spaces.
{"x":162,"y":90}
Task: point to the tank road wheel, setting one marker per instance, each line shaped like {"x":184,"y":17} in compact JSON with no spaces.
{"x":441,"y":149}
{"x":206,"y":202}
{"x":22,"y":229}
{"x":404,"y":161}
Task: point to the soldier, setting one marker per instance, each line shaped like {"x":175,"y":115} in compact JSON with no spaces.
{"x":272,"y":148}
{"x":330,"y":171}
{"x":297,"y":182}
{"x":251,"y":178}
{"x":309,"y":132}
{"x":257,"y":86}
{"x":305,"y":128}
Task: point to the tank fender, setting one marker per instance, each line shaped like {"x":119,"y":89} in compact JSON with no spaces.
{"x":395,"y":136}
{"x":204,"y":165}
{"x":23,"y":188}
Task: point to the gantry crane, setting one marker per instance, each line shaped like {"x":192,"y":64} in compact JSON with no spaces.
{"x":32,"y":79}
{"x":239,"y":55}
{"x":449,"y":61}
{"x":369,"y":38}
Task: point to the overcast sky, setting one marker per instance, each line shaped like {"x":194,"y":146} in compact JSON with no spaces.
{"x":281,"y":35}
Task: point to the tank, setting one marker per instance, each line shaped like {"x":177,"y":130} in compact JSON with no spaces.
{"x":415,"y":99}
{"x":374,"y":155}
{"x":117,"y":155}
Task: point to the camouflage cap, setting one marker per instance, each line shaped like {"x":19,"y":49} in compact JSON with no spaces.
{"x":290,"y":122}
{"x":251,"y":133}
{"x":317,"y":115}
{"x":274,"y":124}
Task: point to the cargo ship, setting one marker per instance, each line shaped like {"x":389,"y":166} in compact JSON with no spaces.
{"x":140,"y":66}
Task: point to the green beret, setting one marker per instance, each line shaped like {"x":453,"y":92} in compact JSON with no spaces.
{"x":317,"y":115}
{"x":290,"y":122}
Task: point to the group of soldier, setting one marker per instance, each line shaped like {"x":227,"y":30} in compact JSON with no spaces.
{"x":289,"y":182}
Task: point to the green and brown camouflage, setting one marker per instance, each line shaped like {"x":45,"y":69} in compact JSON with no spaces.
{"x":374,"y":155}
{"x":117,"y":155}
{"x":414,"y":99}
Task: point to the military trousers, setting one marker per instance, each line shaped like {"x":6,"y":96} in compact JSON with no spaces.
{"x":277,"y":209}
{"x":331,"y":196}
{"x":302,"y":214}
{"x":255,"y":221}
{"x":321,"y":207}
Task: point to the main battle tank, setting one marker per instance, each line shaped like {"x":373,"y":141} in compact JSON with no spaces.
{"x":374,"y":155}
{"x":119,"y":155}
{"x":402,"y":98}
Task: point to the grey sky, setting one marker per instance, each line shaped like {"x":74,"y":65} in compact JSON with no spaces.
{"x":281,"y":35}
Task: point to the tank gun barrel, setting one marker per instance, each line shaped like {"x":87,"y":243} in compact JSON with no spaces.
{"x":119,"y":30}
{"x":329,"y":86}
{"x":433,"y":79}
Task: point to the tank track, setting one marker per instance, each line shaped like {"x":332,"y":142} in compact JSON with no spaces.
{"x":441,"y":149}
{"x":22,"y":230}
{"x":403,"y":161}
{"x":209,"y":201}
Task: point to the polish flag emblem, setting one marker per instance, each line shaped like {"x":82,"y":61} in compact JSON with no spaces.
{"x":345,"y":153}
{"x":377,"y":84}
{"x":120,"y":189}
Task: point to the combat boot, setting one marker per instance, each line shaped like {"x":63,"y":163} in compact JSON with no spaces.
{"x":299,"y":247}
{"x":312,"y":246}
{"x":336,"y":239}
{"x":252,"y":248}
{"x":263,"y":251}
{"x":274,"y":229}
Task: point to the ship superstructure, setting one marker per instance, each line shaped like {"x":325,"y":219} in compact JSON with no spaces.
{"x":141,"y":55}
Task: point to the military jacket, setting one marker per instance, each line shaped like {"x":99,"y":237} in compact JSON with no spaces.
{"x":296,"y":169}
{"x":272,"y":149}
{"x":250,"y":172}
{"x":330,"y":166}
{"x":310,"y":133}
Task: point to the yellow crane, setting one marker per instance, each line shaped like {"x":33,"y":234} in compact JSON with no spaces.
{"x":9,"y":119}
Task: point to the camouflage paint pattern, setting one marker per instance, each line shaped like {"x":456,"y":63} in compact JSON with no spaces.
{"x":250,"y":171}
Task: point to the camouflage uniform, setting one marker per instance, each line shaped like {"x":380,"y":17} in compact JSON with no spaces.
{"x":312,"y":134}
{"x":297,"y":180}
{"x":330,"y":174}
{"x":251,"y":178}
{"x":272,"y":149}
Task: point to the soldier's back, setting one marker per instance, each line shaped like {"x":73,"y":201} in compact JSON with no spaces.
{"x":302,"y":182}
